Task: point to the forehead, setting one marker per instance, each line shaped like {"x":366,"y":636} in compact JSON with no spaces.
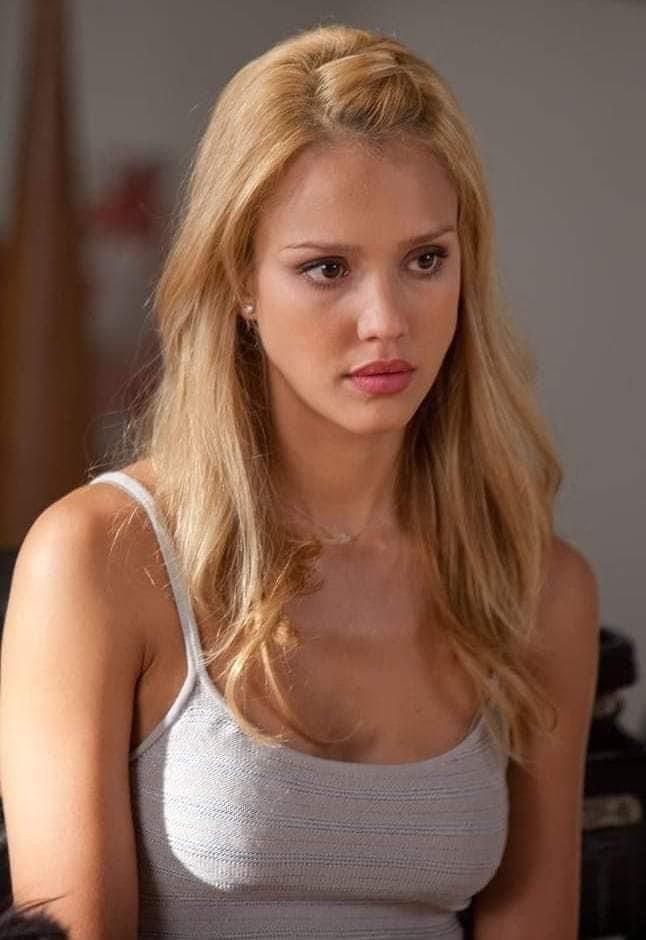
{"x":346,"y":190}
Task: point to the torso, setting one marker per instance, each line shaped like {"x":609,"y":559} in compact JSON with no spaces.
{"x":373,"y":668}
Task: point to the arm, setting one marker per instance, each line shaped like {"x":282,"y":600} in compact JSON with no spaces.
{"x":535,"y":894}
{"x":70,"y":663}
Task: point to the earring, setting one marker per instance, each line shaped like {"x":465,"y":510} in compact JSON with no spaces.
{"x":249,"y":321}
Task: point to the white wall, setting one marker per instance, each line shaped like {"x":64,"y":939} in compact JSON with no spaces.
{"x":556,"y":92}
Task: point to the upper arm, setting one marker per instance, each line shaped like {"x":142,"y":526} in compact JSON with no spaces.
{"x":535,"y":894}
{"x":69,"y":666}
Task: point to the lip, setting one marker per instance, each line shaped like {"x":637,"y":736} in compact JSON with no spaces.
{"x":381,"y":383}
{"x":383,"y":367}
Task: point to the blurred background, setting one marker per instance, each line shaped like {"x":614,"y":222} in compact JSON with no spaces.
{"x":101,"y":106}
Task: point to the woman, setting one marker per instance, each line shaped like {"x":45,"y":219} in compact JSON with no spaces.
{"x":313,"y":663}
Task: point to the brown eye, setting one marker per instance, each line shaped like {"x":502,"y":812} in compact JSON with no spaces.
{"x":428,"y":259}
{"x":431,"y":260}
{"x":331,"y":270}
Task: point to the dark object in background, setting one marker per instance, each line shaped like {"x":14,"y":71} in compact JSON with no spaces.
{"x":613,"y":889}
{"x":20,"y":924}
{"x":7,"y":561}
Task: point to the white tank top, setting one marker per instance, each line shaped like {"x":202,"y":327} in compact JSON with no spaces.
{"x":238,"y":839}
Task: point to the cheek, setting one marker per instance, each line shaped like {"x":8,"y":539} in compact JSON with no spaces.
{"x":451,"y":318}
{"x":449,"y":305}
{"x":307,"y":351}
{"x":439,"y":311}
{"x":299,"y":330}
{"x":449,"y":328}
{"x":299,"y":341}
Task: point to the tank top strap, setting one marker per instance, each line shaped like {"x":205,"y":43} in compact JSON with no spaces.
{"x":144,"y":498}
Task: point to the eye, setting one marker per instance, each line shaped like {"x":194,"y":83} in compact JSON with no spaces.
{"x":330,"y":269}
{"x":431,"y":260}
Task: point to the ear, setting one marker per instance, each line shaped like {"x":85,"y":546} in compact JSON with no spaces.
{"x":248,"y":290}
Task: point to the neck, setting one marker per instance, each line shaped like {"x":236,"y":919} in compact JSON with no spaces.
{"x":341,"y":482}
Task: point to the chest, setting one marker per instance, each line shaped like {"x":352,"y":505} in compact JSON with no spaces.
{"x":372,"y":680}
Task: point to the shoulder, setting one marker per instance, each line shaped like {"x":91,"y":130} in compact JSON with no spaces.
{"x":94,"y":550}
{"x":570,"y":578}
{"x":99,"y":528}
{"x":83,"y":523}
{"x":567,"y":639}
{"x":567,"y":623}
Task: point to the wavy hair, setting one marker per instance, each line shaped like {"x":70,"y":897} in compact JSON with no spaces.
{"x":478,"y":473}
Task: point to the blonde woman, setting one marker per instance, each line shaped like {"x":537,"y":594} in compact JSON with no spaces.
{"x":313,"y":663}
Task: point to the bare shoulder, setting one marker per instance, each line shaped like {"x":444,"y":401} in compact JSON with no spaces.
{"x":568,"y":631}
{"x":524,"y":899}
{"x":570,"y":578}
{"x":567,"y":622}
{"x":95,"y":544}
{"x":84,"y":520}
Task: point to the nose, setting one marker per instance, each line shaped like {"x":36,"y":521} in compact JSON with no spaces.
{"x":382,"y":313}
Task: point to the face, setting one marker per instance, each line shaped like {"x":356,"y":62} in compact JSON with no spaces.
{"x":356,"y":259}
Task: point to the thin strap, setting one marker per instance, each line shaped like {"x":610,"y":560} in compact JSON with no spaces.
{"x":184,"y":608}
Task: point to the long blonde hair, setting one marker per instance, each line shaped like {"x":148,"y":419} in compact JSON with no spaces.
{"x":478,"y":473}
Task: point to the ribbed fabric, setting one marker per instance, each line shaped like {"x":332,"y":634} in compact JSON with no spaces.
{"x":240,"y":840}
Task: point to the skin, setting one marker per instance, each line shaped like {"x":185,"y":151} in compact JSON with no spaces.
{"x":385,"y":293}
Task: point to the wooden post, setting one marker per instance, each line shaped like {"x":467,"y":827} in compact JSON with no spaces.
{"x":44,"y":401}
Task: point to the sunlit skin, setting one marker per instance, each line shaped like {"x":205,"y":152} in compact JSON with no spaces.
{"x":371,"y":283}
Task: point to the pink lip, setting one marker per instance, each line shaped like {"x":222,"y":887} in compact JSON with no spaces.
{"x":383,"y":367}
{"x":386,"y":383}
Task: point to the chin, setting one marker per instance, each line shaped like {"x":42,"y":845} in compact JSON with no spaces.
{"x":369,"y":426}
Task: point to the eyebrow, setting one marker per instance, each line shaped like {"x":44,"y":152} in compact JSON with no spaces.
{"x":336,"y":246}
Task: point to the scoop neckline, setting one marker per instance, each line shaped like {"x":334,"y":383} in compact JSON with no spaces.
{"x":353,"y":768}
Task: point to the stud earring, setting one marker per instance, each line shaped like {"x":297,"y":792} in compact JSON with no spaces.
{"x":248,"y":308}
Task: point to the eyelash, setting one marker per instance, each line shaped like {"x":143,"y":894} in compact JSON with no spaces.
{"x":437,"y":253}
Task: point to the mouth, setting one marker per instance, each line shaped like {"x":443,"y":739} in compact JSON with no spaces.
{"x":381,"y":383}
{"x":383,"y":367}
